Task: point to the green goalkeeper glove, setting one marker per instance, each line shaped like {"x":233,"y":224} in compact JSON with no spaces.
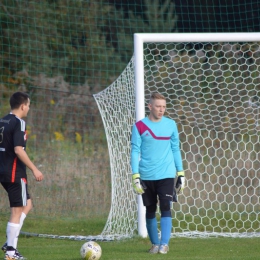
{"x":137,"y":185}
{"x":180,"y":183}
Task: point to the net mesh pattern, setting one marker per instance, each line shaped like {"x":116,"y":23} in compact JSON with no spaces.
{"x":213,"y":94}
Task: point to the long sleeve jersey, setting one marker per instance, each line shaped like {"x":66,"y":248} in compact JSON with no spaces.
{"x":155,"y":149}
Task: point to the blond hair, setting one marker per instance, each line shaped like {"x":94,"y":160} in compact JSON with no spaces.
{"x":156,"y":95}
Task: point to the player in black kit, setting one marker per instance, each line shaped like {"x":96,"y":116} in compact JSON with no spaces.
{"x":13,"y":163}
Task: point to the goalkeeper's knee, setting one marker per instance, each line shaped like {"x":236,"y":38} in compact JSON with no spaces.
{"x":150,"y":211}
{"x":164,"y":205}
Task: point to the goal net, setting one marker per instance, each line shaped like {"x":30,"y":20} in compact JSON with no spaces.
{"x":211,"y":82}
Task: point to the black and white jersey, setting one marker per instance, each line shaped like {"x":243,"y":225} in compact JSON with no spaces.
{"x":12,"y":134}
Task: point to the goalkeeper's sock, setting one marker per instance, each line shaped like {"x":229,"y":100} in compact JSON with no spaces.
{"x":151,"y":225}
{"x":166,"y":226}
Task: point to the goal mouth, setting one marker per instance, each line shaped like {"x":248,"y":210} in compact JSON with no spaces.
{"x":211,"y":84}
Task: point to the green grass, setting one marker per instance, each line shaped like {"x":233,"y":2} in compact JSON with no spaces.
{"x":36,"y":248}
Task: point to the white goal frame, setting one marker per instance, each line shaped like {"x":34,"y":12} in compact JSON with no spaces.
{"x":139,"y":40}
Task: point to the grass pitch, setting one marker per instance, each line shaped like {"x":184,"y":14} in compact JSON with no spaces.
{"x":35,"y":248}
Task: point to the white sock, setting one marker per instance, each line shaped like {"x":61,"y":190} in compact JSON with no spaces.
{"x":23,"y":216}
{"x":11,"y":231}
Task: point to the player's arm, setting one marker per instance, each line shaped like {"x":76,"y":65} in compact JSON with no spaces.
{"x":135,"y":154}
{"x":175,"y":144}
{"x":22,"y":155}
{"x":135,"y":149}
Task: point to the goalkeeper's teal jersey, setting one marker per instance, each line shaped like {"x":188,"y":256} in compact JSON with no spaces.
{"x":155,"y":149}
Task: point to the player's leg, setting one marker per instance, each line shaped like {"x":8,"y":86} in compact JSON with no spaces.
{"x":17,"y":194}
{"x":150,"y":202}
{"x":165,"y":192}
{"x":26,"y":210}
{"x":13,"y":226}
{"x":151,"y":224}
{"x":28,"y":206}
{"x":166,"y":225}
{"x":16,"y":211}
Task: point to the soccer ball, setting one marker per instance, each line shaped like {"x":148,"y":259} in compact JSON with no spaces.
{"x":91,"y":251}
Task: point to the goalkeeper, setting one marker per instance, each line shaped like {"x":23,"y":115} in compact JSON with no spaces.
{"x":156,"y":161}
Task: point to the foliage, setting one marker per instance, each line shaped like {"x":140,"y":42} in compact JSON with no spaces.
{"x":160,"y":17}
{"x":120,"y":26}
{"x":84,"y":41}
{"x":56,"y":38}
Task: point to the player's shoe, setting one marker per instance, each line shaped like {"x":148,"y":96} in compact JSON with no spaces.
{"x":4,"y":247}
{"x":163,"y":249}
{"x":16,"y":256}
{"x":154,"y":249}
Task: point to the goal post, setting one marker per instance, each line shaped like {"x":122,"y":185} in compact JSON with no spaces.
{"x":211,"y":84}
{"x":139,"y":40}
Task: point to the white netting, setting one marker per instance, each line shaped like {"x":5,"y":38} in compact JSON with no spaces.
{"x":116,"y":105}
{"x":213,"y":93}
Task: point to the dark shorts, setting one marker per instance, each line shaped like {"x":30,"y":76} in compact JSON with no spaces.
{"x":160,"y":189}
{"x":17,"y":193}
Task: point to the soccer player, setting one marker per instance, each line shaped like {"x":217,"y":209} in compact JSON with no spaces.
{"x":156,"y":161}
{"x":13,"y":163}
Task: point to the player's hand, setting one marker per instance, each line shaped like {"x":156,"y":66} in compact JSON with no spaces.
{"x":180,"y":183}
{"x":138,"y":187}
{"x":37,"y":175}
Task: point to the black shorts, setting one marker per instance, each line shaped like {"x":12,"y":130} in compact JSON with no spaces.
{"x":17,"y":193}
{"x":162,"y":189}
